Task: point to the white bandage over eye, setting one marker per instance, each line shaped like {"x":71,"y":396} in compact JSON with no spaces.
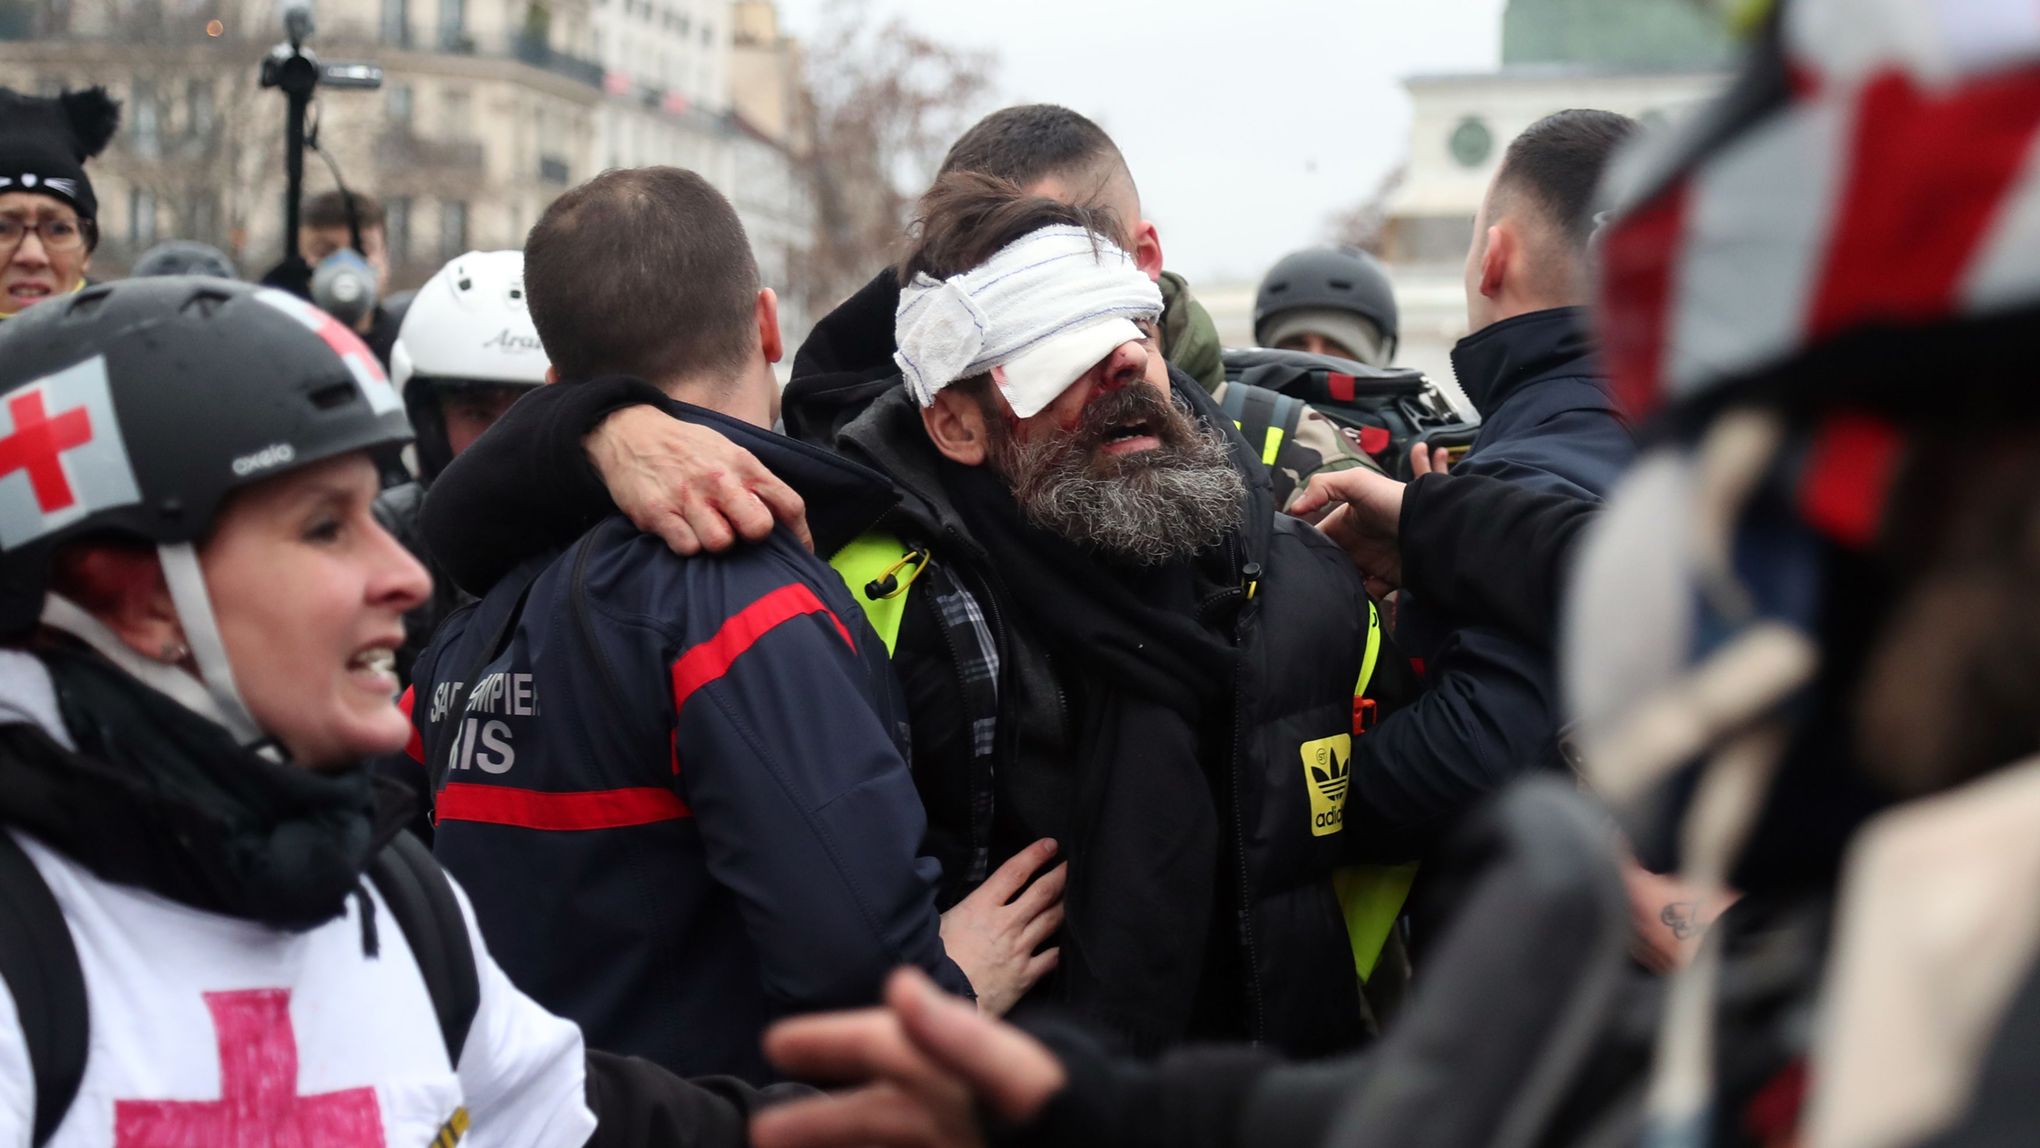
{"x":1047,"y":308}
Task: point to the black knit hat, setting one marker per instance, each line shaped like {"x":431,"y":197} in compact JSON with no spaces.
{"x":44,"y":143}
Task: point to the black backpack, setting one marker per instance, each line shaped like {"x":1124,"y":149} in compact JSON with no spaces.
{"x":1386,"y":409}
{"x":39,"y":963}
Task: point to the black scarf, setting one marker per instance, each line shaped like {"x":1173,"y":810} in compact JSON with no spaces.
{"x":158,"y":797}
{"x":1150,"y":681}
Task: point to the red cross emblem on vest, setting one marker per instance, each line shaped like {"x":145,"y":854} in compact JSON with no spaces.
{"x":259,"y":1105}
{"x":38,"y":445}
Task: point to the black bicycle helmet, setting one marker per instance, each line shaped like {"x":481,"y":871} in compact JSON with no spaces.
{"x":137,"y":407}
{"x":1328,"y":278}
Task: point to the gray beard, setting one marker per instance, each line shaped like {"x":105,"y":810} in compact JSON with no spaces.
{"x":1151,"y":509}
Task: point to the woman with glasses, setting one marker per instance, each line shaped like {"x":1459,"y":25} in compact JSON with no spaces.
{"x":48,"y":214}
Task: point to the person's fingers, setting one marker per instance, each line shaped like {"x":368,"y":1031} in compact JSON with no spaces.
{"x":1338,"y":526}
{"x":871,"y":1116}
{"x":1420,"y":459}
{"x":679,"y":537}
{"x":851,"y":1047}
{"x":745,"y":511}
{"x":1043,"y":893}
{"x":1001,"y":1065}
{"x":1041,"y":928}
{"x":1008,"y":878}
{"x":1441,"y":460}
{"x":709,"y":525}
{"x":785,"y":504}
{"x":1042,"y":964}
{"x":1323,"y":490}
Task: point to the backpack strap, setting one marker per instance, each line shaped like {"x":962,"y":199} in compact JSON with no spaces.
{"x":39,"y":962}
{"x":421,"y":899}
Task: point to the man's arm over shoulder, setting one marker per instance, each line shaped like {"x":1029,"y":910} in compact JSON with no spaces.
{"x":805,"y":805}
{"x":527,"y":485}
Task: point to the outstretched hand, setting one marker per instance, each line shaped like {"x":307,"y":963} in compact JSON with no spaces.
{"x":688,"y":484}
{"x":929,"y":1061}
{"x":1365,"y":520}
{"x":992,"y":934}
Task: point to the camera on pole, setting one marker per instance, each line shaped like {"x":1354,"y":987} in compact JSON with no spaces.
{"x":292,"y":68}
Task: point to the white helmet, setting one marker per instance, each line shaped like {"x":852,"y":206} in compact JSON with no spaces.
{"x":468,"y":326}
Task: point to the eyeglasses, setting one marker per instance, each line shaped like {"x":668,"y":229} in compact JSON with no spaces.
{"x":62,"y":235}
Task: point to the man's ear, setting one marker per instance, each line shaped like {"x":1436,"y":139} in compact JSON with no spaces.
{"x":552,"y":374}
{"x":1502,"y":245}
{"x":956,"y":425}
{"x":1147,"y":250}
{"x":769,"y":339}
{"x":123,"y":587}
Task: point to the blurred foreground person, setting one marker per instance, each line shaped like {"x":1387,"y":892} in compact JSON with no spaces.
{"x":1802,"y":646}
{"x":49,"y":216}
{"x":211,"y":929}
{"x":1328,"y":301}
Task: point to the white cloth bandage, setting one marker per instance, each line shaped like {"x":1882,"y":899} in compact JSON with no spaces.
{"x":1047,"y":308}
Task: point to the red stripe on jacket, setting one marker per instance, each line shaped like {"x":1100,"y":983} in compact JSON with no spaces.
{"x":712,"y":659}
{"x":536,"y":809}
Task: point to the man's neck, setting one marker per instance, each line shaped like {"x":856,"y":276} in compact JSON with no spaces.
{"x":724,"y":395}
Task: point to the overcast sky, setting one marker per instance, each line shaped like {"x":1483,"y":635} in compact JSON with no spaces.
{"x":1247,"y":123}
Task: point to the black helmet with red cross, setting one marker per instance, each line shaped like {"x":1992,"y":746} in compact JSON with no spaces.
{"x":135,"y":408}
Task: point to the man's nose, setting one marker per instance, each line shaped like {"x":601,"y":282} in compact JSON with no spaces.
{"x":1126,"y":365}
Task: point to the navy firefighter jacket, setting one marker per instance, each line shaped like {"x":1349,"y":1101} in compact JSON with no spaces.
{"x":676,"y":791}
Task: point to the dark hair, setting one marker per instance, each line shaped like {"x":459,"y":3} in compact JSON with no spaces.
{"x":1557,"y":162}
{"x":329,"y":209}
{"x":966,"y":218}
{"x":1029,"y":142}
{"x":642,"y":271}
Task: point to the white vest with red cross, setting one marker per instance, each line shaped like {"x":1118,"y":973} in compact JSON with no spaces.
{"x":213,"y":1032}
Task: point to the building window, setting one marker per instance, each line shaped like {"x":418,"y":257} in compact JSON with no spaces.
{"x":453,"y":28}
{"x":396,"y":22}
{"x":198,"y":96}
{"x":1472,"y":142}
{"x":201,"y":216}
{"x":397,"y":228}
{"x":454,"y":114}
{"x":399,"y":106}
{"x":453,"y":227}
{"x":141,"y":219}
{"x":147,"y":135}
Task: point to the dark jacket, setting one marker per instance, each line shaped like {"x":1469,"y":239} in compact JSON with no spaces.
{"x":1548,"y":420}
{"x":1492,"y":553}
{"x":1285,"y":974}
{"x":1489,"y":712}
{"x":678,"y":799}
{"x":398,"y":509}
